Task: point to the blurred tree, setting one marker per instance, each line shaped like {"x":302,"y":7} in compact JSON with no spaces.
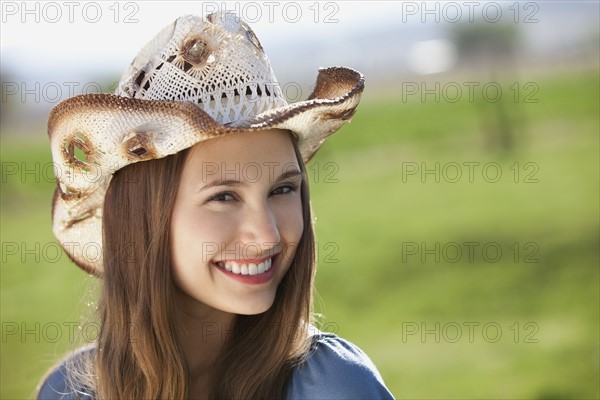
{"x":491,"y":47}
{"x":484,"y":40}
{"x":6,"y":100}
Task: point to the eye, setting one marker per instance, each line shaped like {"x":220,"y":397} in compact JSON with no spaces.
{"x":222,"y":197}
{"x":283,"y":189}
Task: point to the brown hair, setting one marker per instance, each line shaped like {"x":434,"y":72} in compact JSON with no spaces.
{"x":138,"y":354}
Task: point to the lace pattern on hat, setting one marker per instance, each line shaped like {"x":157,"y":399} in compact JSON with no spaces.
{"x":230,"y":83}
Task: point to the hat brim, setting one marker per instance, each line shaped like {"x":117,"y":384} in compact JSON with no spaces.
{"x":94,"y":135}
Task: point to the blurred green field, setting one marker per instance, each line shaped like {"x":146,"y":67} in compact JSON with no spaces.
{"x":533,"y":310}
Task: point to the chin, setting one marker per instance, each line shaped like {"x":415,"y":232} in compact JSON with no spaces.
{"x":254,"y":308}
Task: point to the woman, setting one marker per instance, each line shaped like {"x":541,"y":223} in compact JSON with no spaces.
{"x":191,"y":183}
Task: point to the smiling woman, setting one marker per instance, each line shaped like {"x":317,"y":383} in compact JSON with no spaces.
{"x":263,"y":212}
{"x":192,"y":181}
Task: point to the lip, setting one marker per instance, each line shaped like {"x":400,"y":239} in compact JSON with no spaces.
{"x":251,"y":279}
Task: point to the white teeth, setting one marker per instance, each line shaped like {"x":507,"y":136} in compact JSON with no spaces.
{"x":246,"y":269}
{"x":252,"y":270}
{"x":235,"y":267}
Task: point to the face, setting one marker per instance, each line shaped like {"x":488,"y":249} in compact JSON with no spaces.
{"x":237,"y":221}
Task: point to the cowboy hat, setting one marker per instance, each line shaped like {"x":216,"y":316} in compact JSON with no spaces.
{"x":197,"y":79}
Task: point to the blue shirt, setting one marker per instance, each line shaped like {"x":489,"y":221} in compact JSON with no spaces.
{"x":334,"y":369}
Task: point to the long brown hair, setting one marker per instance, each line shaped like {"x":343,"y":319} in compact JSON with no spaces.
{"x":138,"y":354}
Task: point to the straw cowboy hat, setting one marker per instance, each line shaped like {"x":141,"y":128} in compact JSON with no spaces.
{"x":197,"y":79}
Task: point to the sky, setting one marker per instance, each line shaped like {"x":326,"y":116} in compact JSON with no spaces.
{"x":106,"y":35}
{"x":60,"y":41}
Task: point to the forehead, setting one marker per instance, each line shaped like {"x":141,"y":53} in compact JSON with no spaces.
{"x":243,"y":156}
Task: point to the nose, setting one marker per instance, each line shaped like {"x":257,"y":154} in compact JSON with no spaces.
{"x":259,"y":228}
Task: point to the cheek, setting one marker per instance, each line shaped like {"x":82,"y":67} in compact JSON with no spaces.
{"x":196,"y":235}
{"x":290,"y":222}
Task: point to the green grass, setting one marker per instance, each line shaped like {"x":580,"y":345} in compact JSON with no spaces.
{"x":370,"y":289}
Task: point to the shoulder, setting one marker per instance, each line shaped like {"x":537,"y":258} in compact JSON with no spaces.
{"x":61,"y":383}
{"x":336,"y":369}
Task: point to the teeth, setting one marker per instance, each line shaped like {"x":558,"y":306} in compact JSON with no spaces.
{"x":252,"y":270}
{"x":246,"y":269}
{"x":235,"y":267}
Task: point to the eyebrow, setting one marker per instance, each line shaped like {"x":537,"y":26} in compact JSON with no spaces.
{"x":232,"y":182}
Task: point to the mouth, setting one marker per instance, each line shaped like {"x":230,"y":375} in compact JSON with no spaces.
{"x":252,"y":271}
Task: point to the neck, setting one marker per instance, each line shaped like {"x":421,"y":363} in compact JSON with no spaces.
{"x":202,"y":334}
